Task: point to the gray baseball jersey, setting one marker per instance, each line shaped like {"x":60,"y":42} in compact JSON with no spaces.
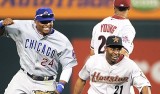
{"x":112,"y":26}
{"x":115,"y":79}
{"x":40,"y":55}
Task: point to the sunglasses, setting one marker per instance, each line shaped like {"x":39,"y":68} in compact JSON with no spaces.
{"x":45,"y":22}
{"x":45,"y":15}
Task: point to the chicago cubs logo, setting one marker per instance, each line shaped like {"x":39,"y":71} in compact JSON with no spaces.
{"x":45,"y":13}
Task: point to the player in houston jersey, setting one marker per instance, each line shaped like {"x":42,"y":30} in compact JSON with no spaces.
{"x":112,"y":72}
{"x":119,"y":25}
{"x":41,"y":49}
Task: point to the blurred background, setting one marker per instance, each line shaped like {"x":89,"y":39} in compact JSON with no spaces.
{"x":76,"y":19}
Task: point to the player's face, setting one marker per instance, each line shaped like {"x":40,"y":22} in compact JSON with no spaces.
{"x":44,"y":27}
{"x":112,"y":54}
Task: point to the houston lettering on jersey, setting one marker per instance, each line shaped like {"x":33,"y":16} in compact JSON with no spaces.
{"x":97,"y":77}
{"x":108,"y":28}
{"x":39,"y":47}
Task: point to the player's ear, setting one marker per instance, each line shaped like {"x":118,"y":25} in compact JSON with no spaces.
{"x":35,"y":21}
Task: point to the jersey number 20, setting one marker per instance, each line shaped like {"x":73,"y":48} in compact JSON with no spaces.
{"x":103,"y":42}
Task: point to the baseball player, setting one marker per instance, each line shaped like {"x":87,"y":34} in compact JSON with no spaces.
{"x":119,"y":25}
{"x":112,"y":72}
{"x":41,"y":49}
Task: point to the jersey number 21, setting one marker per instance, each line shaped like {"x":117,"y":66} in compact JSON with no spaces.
{"x":117,"y":89}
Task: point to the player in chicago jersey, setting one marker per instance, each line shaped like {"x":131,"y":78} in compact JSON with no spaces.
{"x":112,"y":72}
{"x":41,"y":49}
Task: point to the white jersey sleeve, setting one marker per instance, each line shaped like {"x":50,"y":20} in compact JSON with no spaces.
{"x":128,"y":34}
{"x":139,"y":79}
{"x":85,"y":71}
{"x":67,"y":56}
{"x":13,"y":30}
{"x":93,"y":38}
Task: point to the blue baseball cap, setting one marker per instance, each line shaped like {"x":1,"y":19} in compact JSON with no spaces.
{"x":44,"y":14}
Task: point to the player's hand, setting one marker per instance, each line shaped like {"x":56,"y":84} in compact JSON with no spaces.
{"x":56,"y":92}
{"x":7,"y":21}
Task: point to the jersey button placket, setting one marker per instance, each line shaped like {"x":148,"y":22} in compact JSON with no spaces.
{"x":110,"y":70}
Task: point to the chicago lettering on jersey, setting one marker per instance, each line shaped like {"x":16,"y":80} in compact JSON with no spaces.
{"x":39,"y":47}
{"x":108,"y":28}
{"x":97,"y":77}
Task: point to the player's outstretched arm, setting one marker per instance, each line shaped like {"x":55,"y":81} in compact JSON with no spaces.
{"x":5,"y":22}
{"x":80,"y":83}
{"x":64,"y":78}
{"x":146,"y":90}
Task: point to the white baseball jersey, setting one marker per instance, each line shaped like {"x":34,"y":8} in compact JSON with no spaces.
{"x":112,"y":26}
{"x":115,"y":79}
{"x":40,"y":54}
